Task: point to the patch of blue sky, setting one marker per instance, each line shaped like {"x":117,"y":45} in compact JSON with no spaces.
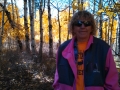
{"x":59,"y":5}
{"x":19,"y":4}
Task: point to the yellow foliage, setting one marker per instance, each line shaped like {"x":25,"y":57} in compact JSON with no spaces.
{"x":86,"y":4}
{"x":8,"y":30}
{"x":80,"y":7}
{"x":110,"y":14}
{"x":107,"y":7}
{"x":74,"y":5}
{"x":46,"y":38}
{"x":64,"y":17}
{"x":112,"y":26}
{"x":100,"y":11}
{"x":104,"y":30}
{"x":15,"y":12}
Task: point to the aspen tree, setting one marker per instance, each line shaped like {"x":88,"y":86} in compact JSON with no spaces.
{"x":26,"y":27}
{"x":50,"y":31}
{"x":31,"y":13}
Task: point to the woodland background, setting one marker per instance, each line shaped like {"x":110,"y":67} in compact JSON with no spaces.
{"x":30,"y":36}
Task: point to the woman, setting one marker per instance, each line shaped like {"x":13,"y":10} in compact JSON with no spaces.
{"x":85,"y":62}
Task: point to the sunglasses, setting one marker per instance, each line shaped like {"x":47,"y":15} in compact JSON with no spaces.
{"x":80,"y":23}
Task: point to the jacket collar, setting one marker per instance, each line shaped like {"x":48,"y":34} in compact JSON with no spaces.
{"x":68,"y":53}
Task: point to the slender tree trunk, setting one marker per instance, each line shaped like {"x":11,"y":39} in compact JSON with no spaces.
{"x":31,"y":13}
{"x":13,"y":19}
{"x":16,"y":20}
{"x":116,"y":40}
{"x":94,"y":6}
{"x":68,"y":20}
{"x":100,"y":31}
{"x":12,"y":10}
{"x":106,"y":32}
{"x":41,"y":30}
{"x":26,"y":27}
{"x":1,"y":36}
{"x":111,"y":32}
{"x":8,"y":14}
{"x":50,"y":31}
{"x":119,"y":35}
{"x":59,"y":28}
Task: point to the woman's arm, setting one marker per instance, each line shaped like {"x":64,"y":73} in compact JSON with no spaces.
{"x":111,"y":82}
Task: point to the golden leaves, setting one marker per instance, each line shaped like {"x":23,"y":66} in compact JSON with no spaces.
{"x":64,"y":19}
{"x":109,"y":28}
{"x":108,"y":11}
{"x":86,"y":4}
{"x":114,"y":26}
{"x":110,"y":14}
{"x":80,"y":6}
{"x":100,"y":11}
{"x":8,"y":31}
{"x":74,"y":5}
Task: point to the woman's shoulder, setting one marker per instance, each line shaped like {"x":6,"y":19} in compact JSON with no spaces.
{"x":100,"y":41}
{"x":65,"y":43}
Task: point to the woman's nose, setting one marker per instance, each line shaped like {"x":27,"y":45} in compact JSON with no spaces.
{"x":82,"y":26}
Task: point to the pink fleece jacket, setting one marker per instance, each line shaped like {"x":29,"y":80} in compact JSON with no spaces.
{"x":111,"y":82}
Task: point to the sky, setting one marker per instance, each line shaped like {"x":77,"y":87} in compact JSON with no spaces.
{"x":20,"y":6}
{"x":19,"y":3}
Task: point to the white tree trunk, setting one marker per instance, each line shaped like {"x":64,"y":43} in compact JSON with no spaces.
{"x":31,"y":12}
{"x":50,"y":31}
{"x":26,"y":27}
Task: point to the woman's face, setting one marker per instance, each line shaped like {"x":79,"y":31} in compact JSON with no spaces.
{"x":82,"y":29}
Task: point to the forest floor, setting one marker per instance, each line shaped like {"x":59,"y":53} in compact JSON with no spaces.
{"x":20,"y":71}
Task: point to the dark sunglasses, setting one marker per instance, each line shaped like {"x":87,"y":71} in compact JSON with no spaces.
{"x":80,"y":23}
